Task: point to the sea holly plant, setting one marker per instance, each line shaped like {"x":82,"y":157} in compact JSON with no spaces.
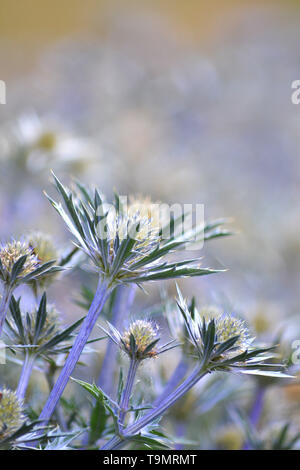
{"x":139,"y":342}
{"x":124,"y":247}
{"x":19,"y":265}
{"x":222,"y":343}
{"x":38,"y":335}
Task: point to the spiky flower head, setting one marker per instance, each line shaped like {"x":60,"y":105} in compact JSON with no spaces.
{"x":135,"y":224}
{"x":177,"y":324}
{"x":11,"y":413}
{"x":19,"y":263}
{"x":228,"y":326}
{"x":11,"y":253}
{"x":224,"y":343}
{"x":139,"y":340}
{"x":125,"y":246}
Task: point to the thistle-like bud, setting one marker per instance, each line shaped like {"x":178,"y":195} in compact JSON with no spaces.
{"x":228,"y":326}
{"x":139,"y":340}
{"x":11,"y":253}
{"x":224,"y":343}
{"x":11,"y":416}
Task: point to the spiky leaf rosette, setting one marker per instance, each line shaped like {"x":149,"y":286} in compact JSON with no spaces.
{"x":125,"y":246}
{"x":224,"y":343}
{"x":39,"y":331}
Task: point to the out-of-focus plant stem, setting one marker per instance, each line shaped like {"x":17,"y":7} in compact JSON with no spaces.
{"x":87,"y":326}
{"x":119,"y":441}
{"x":256,"y":410}
{"x":257,"y":406}
{"x":4,"y":305}
{"x":123,"y":303}
{"x":177,"y":376}
{"x":25,"y":375}
{"x":133,"y":366}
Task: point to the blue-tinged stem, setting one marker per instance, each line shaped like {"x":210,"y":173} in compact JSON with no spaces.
{"x":257,"y":406}
{"x":25,"y":375}
{"x":133,"y":366}
{"x":177,"y":376}
{"x":4,"y":305}
{"x":256,"y":410}
{"x":87,"y":326}
{"x":119,"y":441}
{"x":123,"y":303}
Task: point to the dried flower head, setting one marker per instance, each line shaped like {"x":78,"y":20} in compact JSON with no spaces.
{"x":11,"y":253}
{"x":11,"y":416}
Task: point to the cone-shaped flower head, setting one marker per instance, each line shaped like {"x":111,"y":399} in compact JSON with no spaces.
{"x":224,"y":343}
{"x":11,"y":415}
{"x":139,"y":340}
{"x":228,"y":327}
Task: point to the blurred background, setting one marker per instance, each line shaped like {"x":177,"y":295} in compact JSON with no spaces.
{"x":182,"y":101}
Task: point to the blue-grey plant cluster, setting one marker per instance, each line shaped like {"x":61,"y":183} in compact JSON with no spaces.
{"x":114,"y":336}
{"x":209,"y":341}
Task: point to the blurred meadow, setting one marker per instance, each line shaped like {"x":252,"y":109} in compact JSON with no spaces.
{"x":185,"y":102}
